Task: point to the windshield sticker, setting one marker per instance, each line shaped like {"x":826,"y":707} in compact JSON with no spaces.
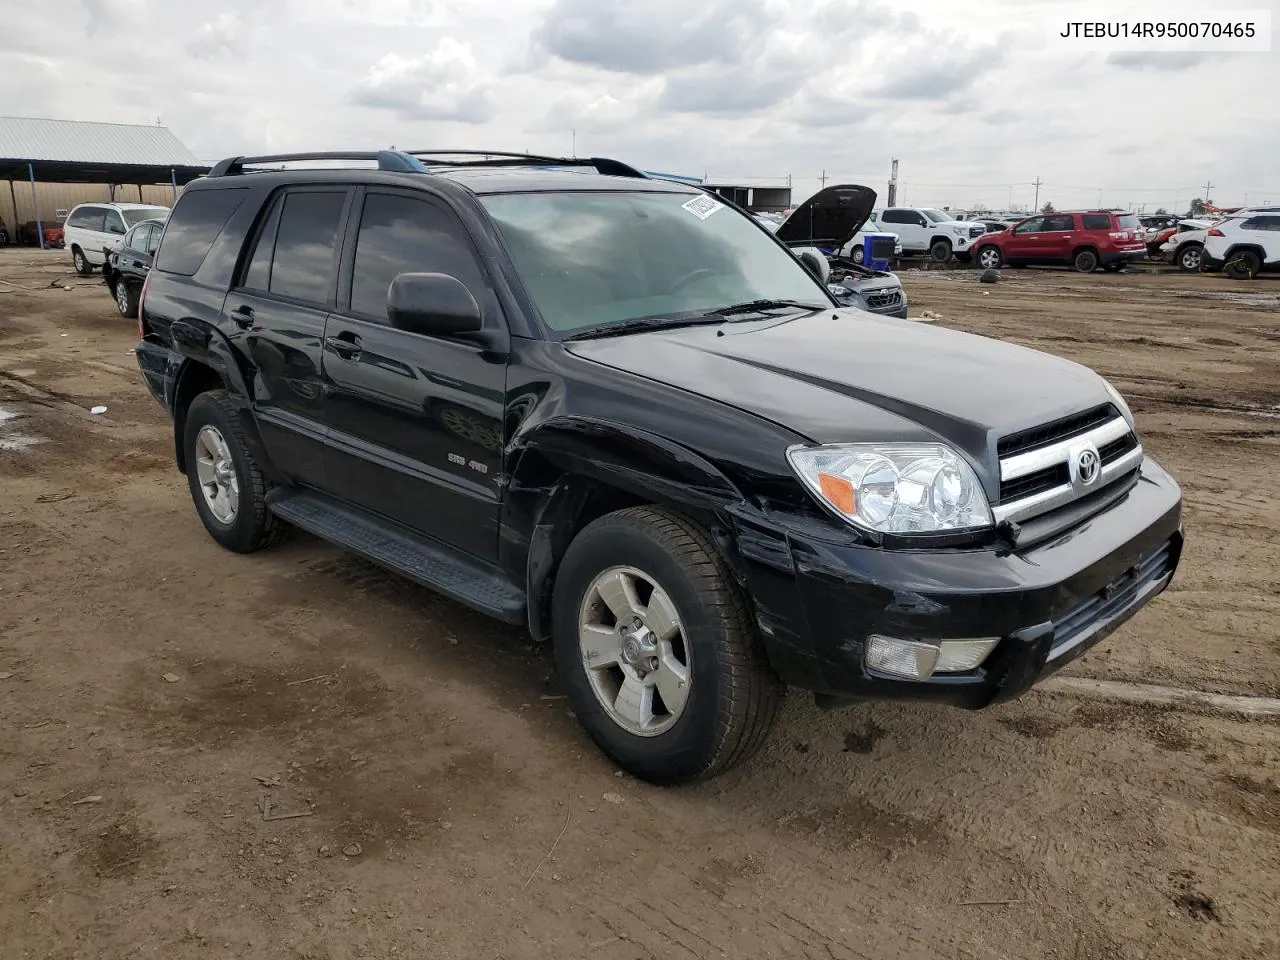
{"x":703,"y":206}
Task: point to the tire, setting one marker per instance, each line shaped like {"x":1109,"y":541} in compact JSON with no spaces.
{"x":252,"y":526}
{"x":940,"y":251}
{"x":732,"y":694}
{"x":81,"y":262}
{"x":126,"y":297}
{"x":858,"y":254}
{"x":989,"y":257}
{"x":1243,"y":265}
{"x":1189,"y":258}
{"x":1085,"y":261}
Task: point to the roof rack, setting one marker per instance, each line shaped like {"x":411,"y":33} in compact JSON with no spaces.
{"x":498,"y":158}
{"x":395,"y":161}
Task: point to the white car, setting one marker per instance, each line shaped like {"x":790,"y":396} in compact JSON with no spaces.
{"x":924,"y":230}
{"x":1184,"y":248}
{"x":94,"y":229}
{"x":1244,"y":244}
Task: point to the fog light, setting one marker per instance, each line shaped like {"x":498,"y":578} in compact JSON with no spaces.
{"x":957,"y":656}
{"x":912,"y":659}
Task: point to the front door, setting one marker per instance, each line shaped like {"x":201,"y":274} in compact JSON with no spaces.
{"x":278,"y":307}
{"x":1024,"y":240}
{"x":415,"y":422}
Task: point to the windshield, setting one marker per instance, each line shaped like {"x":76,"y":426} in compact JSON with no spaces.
{"x":138,"y":214}
{"x":596,"y":258}
{"x":937,"y":216}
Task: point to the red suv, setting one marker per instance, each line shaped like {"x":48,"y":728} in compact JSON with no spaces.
{"x":1085,"y":239}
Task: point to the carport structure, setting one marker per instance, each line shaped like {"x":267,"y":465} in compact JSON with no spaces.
{"x":37,"y":150}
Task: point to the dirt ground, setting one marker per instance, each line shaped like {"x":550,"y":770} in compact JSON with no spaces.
{"x":427,"y":795}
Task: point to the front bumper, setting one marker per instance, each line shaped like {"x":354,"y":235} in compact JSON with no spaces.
{"x":817,"y":600}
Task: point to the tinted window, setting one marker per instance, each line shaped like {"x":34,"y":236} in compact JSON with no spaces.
{"x":1128,"y":221}
{"x":302,"y":266}
{"x":113,"y":223}
{"x":87,"y":218}
{"x":1034,"y":225}
{"x":1097,"y":221}
{"x":1261,"y":223}
{"x":402,"y":235}
{"x":153,"y":241}
{"x":1059,"y":221}
{"x":897,"y":216}
{"x":258,"y":274}
{"x":193,"y":226}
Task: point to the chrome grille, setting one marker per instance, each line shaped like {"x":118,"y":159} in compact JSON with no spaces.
{"x":881,"y":299}
{"x":977,"y":231}
{"x":1038,"y":467}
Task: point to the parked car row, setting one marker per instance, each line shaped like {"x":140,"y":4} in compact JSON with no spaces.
{"x":92,"y":230}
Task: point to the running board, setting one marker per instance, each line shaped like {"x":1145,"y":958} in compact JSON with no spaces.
{"x":389,"y":545}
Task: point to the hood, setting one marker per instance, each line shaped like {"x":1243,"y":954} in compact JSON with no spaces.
{"x":830,"y":217}
{"x":843,"y":375}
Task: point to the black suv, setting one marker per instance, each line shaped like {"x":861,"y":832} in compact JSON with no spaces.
{"x":617,"y":410}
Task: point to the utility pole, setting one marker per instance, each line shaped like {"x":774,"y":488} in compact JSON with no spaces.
{"x":573,"y":141}
{"x":1035,"y":206}
{"x":893,"y":184}
{"x":1208,"y":185}
{"x":823,"y":178}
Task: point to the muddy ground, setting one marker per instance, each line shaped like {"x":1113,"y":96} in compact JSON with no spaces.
{"x":158,"y":693}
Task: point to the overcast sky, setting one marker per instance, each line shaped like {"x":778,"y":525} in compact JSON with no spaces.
{"x":965,"y":94}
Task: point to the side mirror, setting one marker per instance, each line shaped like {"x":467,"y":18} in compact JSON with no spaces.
{"x":435,"y":304}
{"x":816,"y":264}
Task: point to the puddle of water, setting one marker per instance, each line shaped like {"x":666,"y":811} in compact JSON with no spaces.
{"x":19,"y":443}
{"x":7,"y":415}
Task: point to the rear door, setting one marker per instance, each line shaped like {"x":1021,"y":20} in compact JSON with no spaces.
{"x":908,"y":225}
{"x":416,"y":430}
{"x":285,"y":289}
{"x":1057,"y":238}
{"x":1265,"y":232}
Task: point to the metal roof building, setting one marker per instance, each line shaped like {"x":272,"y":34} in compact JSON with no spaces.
{"x":72,"y":151}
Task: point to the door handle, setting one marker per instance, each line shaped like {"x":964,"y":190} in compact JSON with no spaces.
{"x":243,"y":316}
{"x":346,"y":345}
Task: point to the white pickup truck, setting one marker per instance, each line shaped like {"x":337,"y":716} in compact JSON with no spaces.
{"x":924,"y":230}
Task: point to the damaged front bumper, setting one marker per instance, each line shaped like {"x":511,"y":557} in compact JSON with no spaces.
{"x":818,"y":601}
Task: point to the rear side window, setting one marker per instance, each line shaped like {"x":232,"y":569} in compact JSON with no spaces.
{"x":86,"y":218}
{"x":402,"y":235}
{"x":193,"y":227}
{"x":1128,"y":221}
{"x":1097,"y":221}
{"x":896,"y":216}
{"x":302,"y":267}
{"x":1261,"y":223}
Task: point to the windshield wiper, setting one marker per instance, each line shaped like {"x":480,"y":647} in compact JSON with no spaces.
{"x":636,"y":326}
{"x":752,"y":306}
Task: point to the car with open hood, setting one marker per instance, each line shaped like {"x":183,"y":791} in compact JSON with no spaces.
{"x":615,"y":411}
{"x":831,"y":222}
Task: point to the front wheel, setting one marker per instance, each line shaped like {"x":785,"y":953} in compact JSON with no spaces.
{"x":657,"y":650}
{"x":1243,"y":266}
{"x":990,"y":257}
{"x":1085,"y":261}
{"x":126,"y":297}
{"x":940,"y":252}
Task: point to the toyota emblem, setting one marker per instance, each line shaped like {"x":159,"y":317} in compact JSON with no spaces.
{"x":1086,"y":466}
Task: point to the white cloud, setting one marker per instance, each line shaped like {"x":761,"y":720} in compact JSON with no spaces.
{"x":443,"y":84}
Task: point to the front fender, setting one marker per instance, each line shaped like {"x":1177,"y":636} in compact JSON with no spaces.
{"x":570,"y":470}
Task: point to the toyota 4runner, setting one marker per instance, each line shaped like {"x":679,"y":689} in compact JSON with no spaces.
{"x":618,"y":411}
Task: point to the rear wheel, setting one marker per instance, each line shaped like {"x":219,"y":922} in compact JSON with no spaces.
{"x":1085,"y":261}
{"x":990,"y":257}
{"x":1190,"y":258}
{"x":81,"y":262}
{"x":657,"y":650}
{"x":1243,"y":265}
{"x":227,"y":487}
{"x":859,"y":254}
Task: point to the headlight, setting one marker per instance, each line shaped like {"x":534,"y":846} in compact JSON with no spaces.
{"x":894,"y":487}
{"x":1119,"y":401}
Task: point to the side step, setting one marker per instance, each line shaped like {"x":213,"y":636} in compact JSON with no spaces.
{"x":430,"y":563}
